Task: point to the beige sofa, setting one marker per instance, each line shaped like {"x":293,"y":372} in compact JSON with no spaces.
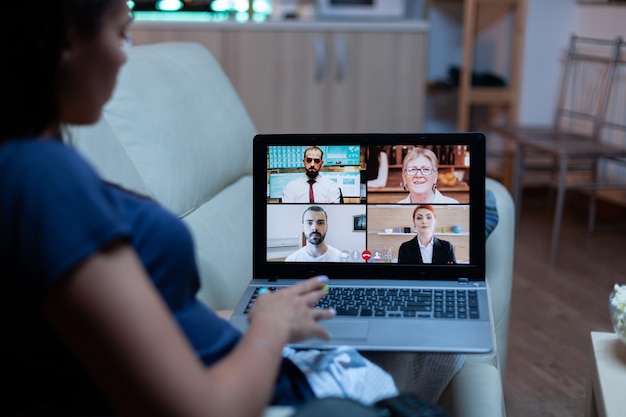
{"x":177,"y":131}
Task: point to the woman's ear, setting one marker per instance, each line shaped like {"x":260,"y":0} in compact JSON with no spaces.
{"x":68,"y":51}
{"x":66,"y":57}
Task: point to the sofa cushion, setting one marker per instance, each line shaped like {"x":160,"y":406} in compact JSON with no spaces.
{"x":176,"y":131}
{"x":224,"y":259}
{"x":165,"y":128}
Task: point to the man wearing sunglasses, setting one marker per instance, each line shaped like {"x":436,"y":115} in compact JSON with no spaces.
{"x":312,"y":187}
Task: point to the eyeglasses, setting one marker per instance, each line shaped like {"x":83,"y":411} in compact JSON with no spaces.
{"x":309,"y":160}
{"x":412,"y":171}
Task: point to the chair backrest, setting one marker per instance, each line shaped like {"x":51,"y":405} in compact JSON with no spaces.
{"x":588,"y":69}
{"x":611,"y":128}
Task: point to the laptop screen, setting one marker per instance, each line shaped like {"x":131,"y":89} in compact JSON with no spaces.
{"x":402,"y":206}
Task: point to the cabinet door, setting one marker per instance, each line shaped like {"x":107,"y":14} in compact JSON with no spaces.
{"x":304,"y":81}
{"x":377,"y":82}
{"x":280,"y":77}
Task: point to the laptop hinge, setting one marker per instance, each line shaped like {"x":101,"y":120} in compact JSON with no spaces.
{"x":463,"y":281}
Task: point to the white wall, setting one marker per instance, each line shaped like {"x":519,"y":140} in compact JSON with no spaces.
{"x":601,"y":21}
{"x":445,"y":42}
{"x":549,"y":24}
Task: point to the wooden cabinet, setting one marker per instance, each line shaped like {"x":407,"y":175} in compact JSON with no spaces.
{"x":318,"y":81}
{"x":280,"y":79}
{"x":321,"y":77}
{"x":150,"y":32}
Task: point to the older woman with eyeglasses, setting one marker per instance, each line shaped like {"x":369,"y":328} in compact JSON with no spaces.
{"x":419,"y":176}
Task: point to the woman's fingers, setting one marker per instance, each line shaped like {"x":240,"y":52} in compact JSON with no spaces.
{"x":315,"y":283}
{"x":296,"y":306}
{"x":324,"y":313}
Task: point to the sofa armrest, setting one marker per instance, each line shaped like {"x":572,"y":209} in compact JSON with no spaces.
{"x":499,"y":267}
{"x":476,"y":391}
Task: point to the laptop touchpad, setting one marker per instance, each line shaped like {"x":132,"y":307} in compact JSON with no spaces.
{"x":346,"y":329}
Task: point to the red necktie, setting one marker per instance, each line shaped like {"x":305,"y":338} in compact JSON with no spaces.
{"x":311,"y":196}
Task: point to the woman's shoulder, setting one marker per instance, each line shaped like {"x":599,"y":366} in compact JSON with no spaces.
{"x":410,"y":242}
{"x":440,"y":198}
{"x":42,"y":161}
{"x":40,"y":155}
{"x":443,"y":242}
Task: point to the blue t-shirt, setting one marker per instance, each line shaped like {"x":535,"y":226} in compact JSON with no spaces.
{"x":54,"y":213}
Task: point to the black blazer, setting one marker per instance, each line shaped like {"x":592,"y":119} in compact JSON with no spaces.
{"x":443,"y":252}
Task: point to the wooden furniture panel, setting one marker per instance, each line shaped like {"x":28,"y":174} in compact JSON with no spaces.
{"x":211,"y":39}
{"x":330,"y":82}
{"x":478,"y":14}
{"x":315,"y":77}
{"x":280,"y":78}
{"x":607,"y":376}
{"x":376,"y":82}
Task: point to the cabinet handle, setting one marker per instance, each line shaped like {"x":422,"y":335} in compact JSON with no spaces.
{"x":320,"y":59}
{"x":341,"y":57}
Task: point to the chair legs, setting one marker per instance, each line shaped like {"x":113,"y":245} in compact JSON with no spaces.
{"x":558,"y":210}
{"x":591,"y":224}
{"x":560,"y":183}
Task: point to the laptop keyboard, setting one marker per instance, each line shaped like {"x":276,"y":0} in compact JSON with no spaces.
{"x":394,"y":302}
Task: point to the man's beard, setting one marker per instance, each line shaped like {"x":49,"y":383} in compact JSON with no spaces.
{"x":311,"y":173}
{"x":315,"y":240}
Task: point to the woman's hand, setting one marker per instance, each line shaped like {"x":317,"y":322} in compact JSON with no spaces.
{"x":291,"y":309}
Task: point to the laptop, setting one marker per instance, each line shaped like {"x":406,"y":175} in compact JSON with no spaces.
{"x":397,"y":300}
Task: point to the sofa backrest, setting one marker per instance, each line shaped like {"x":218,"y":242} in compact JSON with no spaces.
{"x":176,"y":131}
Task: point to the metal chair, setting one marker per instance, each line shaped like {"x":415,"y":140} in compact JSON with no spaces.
{"x":574,"y":153}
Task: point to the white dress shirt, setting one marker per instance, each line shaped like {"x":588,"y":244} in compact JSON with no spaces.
{"x":324,"y":190}
{"x":301,"y":255}
{"x":437,"y":198}
{"x":426,"y":251}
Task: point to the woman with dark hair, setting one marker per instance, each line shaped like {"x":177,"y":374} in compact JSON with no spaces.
{"x":100,"y":314}
{"x":426,"y":248}
{"x":99,"y":309}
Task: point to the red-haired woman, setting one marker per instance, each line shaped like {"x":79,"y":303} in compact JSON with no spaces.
{"x":425,"y":248}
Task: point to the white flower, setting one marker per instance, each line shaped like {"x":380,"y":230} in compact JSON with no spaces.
{"x":618,"y":301}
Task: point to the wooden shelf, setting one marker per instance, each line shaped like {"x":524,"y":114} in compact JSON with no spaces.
{"x":476,"y":15}
{"x":490,"y":95}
